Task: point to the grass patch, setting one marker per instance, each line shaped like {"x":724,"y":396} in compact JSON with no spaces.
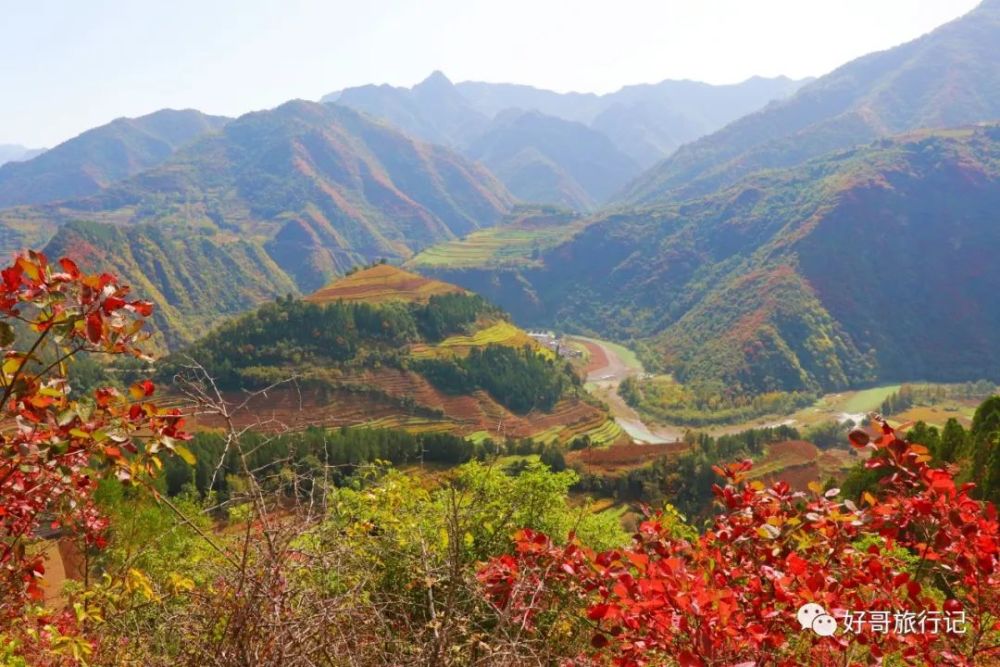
{"x":518,"y":243}
{"x":867,"y":400}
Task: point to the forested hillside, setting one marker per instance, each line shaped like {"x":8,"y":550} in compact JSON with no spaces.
{"x":388,"y":348}
{"x":777,"y":282}
{"x":102,"y":156}
{"x":278,"y":201}
{"x":168,"y":268}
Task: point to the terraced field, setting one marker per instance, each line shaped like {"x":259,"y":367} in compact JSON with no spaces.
{"x":381,"y":283}
{"x":938,"y":415}
{"x":514,"y":244}
{"x":391,"y":398}
{"x":573,"y":419}
{"x":799,"y":462}
{"x":623,"y":457}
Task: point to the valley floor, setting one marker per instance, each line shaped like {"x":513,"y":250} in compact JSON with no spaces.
{"x":610,"y":363}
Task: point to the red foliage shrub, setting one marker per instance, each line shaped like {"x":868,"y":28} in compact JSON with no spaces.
{"x":730,"y":595}
{"x":53,"y":448}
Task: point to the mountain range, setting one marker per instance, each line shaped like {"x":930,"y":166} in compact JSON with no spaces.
{"x":868,"y":263}
{"x":723,"y":263}
{"x":104,"y":155}
{"x":623,"y":132}
{"x":946,"y":78}
{"x":549,"y":160}
{"x":274,"y":202}
{"x":768,"y":254}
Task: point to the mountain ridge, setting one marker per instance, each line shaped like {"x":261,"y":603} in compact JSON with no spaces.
{"x":947,"y":77}
{"x":642,"y":124}
{"x":102,"y":156}
{"x":276,"y":202}
{"x":775,"y":282}
{"x":17,"y":153}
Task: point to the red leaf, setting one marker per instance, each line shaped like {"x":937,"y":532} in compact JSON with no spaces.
{"x":111,"y":304}
{"x":143,"y":388}
{"x":859,"y":437}
{"x":95,"y":327}
{"x":796,"y":564}
{"x":598,"y":611}
{"x":70,"y":267}
{"x":35,"y":592}
{"x":144,"y":308}
{"x":689,"y":659}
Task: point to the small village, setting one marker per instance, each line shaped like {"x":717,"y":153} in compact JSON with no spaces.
{"x":556,"y":343}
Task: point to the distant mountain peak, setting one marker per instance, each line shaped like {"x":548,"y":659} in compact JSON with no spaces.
{"x":17,"y":153}
{"x":945,"y":78}
{"x":641,"y":124}
{"x":299,"y":108}
{"x":436,"y":80}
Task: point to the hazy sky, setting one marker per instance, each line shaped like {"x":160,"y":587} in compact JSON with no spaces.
{"x":67,"y":65}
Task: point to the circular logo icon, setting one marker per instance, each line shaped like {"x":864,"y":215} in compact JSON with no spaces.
{"x":814,"y":617}
{"x":824,"y":625}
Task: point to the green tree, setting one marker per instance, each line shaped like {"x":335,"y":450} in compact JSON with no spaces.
{"x":927,"y":436}
{"x":983,"y":437}
{"x":952,"y":443}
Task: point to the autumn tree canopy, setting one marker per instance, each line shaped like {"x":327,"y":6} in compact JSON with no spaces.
{"x":53,"y":448}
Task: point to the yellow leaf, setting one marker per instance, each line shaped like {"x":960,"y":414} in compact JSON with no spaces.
{"x":768,"y":531}
{"x":185,"y":454}
{"x":815,"y":487}
{"x":868,"y":498}
{"x":29,"y":267}
{"x":180,"y":583}
{"x":11,"y":365}
{"x":138,"y":581}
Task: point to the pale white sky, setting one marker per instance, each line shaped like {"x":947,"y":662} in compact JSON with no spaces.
{"x":67,"y":65}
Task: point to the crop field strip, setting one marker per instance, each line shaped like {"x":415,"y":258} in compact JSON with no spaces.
{"x":500,"y":333}
{"x":382,"y":283}
{"x":499,"y":246}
